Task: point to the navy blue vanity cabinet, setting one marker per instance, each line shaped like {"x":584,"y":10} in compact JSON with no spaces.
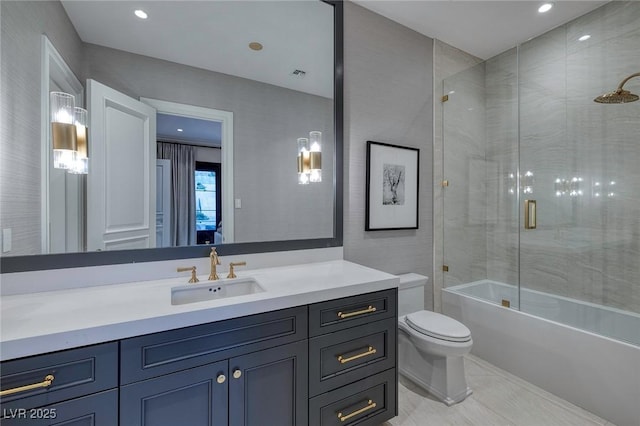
{"x":194,"y":397}
{"x":352,"y":360}
{"x":243,"y":371}
{"x":71,"y":387}
{"x":269,"y":387}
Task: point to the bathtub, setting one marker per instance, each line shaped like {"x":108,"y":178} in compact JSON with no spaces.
{"x":584,"y":353}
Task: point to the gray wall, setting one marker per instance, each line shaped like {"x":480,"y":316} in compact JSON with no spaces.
{"x":388,"y":98}
{"x":23,"y":24}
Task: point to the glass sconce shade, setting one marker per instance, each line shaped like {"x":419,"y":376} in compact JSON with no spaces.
{"x":81,"y":163}
{"x":310,"y":158}
{"x":303,"y":161}
{"x":315,"y":141}
{"x":315,"y":161}
{"x":303,"y":178}
{"x":63,"y":130}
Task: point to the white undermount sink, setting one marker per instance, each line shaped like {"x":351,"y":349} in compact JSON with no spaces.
{"x":213,"y":290}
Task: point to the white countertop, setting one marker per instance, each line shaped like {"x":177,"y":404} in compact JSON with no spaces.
{"x":37,"y":323}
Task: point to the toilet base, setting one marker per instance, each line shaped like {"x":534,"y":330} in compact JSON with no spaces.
{"x":443,"y":377}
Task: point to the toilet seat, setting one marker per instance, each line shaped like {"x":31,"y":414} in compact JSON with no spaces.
{"x":438,"y":326}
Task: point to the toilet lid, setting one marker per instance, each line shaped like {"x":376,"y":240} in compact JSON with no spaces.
{"x":438,"y":326}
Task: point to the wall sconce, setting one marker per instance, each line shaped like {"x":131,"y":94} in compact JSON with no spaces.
{"x":303,"y":161}
{"x":63,"y":131}
{"x":315,"y":161}
{"x":310,"y":158}
{"x":81,"y":163}
{"x":68,"y":134}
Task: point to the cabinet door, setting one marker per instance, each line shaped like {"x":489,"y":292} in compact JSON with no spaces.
{"x":100,"y":409}
{"x":270,"y":387}
{"x":194,"y":397}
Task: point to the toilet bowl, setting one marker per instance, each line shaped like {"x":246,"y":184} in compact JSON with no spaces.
{"x":431,"y":346}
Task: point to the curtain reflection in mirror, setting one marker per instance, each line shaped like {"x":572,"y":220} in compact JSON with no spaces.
{"x":183,"y":216}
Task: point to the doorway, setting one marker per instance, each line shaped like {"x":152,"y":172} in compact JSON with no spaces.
{"x":225,"y":120}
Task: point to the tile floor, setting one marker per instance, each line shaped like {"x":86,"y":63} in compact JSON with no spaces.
{"x":499,"y":399}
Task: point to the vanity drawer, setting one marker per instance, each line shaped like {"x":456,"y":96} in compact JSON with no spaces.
{"x":76,"y":372}
{"x":349,"y":355}
{"x":156,"y":354}
{"x":339,"y":314}
{"x":100,"y":409}
{"x":370,"y":401}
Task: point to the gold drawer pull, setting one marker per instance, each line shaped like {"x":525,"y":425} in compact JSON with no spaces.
{"x":344,"y":360}
{"x":48,"y":381}
{"x":368,"y":310}
{"x":370,"y":405}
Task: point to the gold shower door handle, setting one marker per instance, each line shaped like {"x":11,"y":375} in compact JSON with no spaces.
{"x":530,"y":214}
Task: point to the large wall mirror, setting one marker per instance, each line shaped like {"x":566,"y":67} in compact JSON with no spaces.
{"x":195,"y":111}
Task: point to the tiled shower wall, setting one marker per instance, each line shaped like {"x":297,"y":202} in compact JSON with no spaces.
{"x":538,"y":109}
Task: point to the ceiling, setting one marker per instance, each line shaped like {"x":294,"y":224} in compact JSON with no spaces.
{"x":176,"y":128}
{"x":482,"y":28}
{"x":215,"y":35}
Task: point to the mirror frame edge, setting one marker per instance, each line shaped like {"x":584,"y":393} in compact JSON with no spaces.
{"x":39,"y":262}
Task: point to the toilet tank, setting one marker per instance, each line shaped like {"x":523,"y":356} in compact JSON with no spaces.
{"x":411,"y":293}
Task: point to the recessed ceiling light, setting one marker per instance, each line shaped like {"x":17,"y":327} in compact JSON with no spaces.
{"x":141,"y":14}
{"x":545,"y":7}
{"x":180,"y":130}
{"x":254,"y":45}
{"x":584,"y":37}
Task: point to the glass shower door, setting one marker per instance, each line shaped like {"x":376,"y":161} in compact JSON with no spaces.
{"x":480,"y":168}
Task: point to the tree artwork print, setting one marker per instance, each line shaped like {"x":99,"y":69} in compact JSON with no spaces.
{"x":393,"y":184}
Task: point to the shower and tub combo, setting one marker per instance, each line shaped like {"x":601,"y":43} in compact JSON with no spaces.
{"x":540,"y":225}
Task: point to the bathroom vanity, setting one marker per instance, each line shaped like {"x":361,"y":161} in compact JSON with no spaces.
{"x":317,"y":346}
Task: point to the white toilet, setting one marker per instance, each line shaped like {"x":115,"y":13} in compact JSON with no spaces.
{"x":431,"y":346}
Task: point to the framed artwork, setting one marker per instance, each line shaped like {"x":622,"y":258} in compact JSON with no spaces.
{"x":392,"y":187}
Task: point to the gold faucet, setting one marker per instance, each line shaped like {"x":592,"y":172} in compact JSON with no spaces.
{"x":231,"y":265}
{"x":194,"y":278}
{"x":215,"y":260}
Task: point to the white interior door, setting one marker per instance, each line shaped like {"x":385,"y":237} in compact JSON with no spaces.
{"x":163,"y":203}
{"x":121,"y":185}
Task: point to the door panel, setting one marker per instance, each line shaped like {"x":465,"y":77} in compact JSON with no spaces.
{"x":271,"y":387}
{"x":193,"y":397}
{"x":122,"y":178}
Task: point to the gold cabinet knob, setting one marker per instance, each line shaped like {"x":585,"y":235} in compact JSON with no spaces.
{"x":221,"y":378}
{"x":237,"y":374}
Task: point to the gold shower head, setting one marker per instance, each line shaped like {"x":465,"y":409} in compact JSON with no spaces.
{"x":619,"y":96}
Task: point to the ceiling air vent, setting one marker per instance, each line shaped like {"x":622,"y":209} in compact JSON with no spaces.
{"x":298,"y":73}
